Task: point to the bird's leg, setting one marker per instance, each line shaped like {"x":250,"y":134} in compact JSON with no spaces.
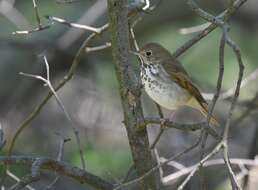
{"x":164,"y":120}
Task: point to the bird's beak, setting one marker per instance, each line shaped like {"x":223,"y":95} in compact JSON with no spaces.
{"x":138,"y":54}
{"x":135,"y":53}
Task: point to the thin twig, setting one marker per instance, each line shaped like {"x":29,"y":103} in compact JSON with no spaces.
{"x":223,"y":16}
{"x":42,"y":163}
{"x":236,"y":50}
{"x":214,"y":99}
{"x":10,"y":174}
{"x":66,"y":78}
{"x":30,"y":178}
{"x":25,"y":32}
{"x":181,"y":126}
{"x":250,"y":107}
{"x":68,"y":1}
{"x":230,"y":92}
{"x":161,"y":173}
{"x":186,"y":170}
{"x":182,"y":49}
{"x":147,"y":5}
{"x":75,"y":25}
{"x":39,"y":27}
{"x":138,"y":179}
{"x":225,"y":39}
{"x":212,"y":153}
{"x":194,"y":29}
{"x":162,"y":127}
{"x":2,"y":140}
{"x":48,"y":83}
{"x":130,"y":170}
{"x":98,"y":48}
{"x":36,"y":13}
{"x":251,"y":77}
{"x":60,"y":156}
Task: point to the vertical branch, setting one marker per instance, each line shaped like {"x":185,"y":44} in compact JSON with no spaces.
{"x":129,"y":91}
{"x":37,"y":13}
{"x":2,"y":141}
{"x":162,"y":127}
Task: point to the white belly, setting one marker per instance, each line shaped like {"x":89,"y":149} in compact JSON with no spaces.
{"x":168,"y":95}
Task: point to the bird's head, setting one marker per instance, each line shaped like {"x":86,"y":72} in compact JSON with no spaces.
{"x":153,"y":53}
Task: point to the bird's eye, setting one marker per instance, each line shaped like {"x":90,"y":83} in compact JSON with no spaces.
{"x":148,"y":53}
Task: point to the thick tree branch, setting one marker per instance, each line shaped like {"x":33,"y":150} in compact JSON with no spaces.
{"x":129,"y":91}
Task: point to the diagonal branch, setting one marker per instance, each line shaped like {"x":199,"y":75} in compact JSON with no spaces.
{"x":48,"y":83}
{"x":75,"y":25}
{"x":223,"y":16}
{"x":66,"y":78}
{"x":155,"y":168}
{"x":40,"y":27}
{"x":41,"y":163}
{"x":10,"y":174}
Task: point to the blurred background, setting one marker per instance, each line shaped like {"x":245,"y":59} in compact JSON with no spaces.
{"x":92,"y":97}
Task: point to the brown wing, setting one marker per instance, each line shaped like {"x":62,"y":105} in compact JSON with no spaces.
{"x":178,"y":74}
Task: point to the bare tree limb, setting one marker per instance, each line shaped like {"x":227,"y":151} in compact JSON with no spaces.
{"x":250,"y":107}
{"x":183,"y":127}
{"x":182,"y":171}
{"x":10,"y":174}
{"x":98,"y":48}
{"x":2,"y":140}
{"x":129,"y":91}
{"x":150,"y":172}
{"x":225,"y":39}
{"x":66,"y":78}
{"x":236,"y":50}
{"x":41,"y":163}
{"x":75,"y":25}
{"x":162,"y":127}
{"x":193,"y":29}
{"x":60,"y":156}
{"x":212,"y":153}
{"x":223,"y":16}
{"x":230,"y":92}
{"x":39,"y":27}
{"x":48,"y":83}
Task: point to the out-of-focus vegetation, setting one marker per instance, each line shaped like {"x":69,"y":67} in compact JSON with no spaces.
{"x":106,"y":161}
{"x":92,"y":96}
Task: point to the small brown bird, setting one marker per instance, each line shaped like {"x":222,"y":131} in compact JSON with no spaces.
{"x":167,"y":82}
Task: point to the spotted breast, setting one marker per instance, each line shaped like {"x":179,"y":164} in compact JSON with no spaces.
{"x":161,"y":89}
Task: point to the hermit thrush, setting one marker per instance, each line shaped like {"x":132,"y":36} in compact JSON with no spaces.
{"x":167,"y":82}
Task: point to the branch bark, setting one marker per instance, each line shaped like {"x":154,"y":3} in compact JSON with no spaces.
{"x":180,"y":126}
{"x":223,"y":16}
{"x":129,"y":92}
{"x":59,"y":167}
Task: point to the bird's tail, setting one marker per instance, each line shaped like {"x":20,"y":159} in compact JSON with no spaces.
{"x":203,"y":108}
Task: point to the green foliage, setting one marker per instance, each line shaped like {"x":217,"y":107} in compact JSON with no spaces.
{"x":106,"y":160}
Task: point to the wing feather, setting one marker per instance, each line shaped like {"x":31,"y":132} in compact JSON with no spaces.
{"x":178,"y":74}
